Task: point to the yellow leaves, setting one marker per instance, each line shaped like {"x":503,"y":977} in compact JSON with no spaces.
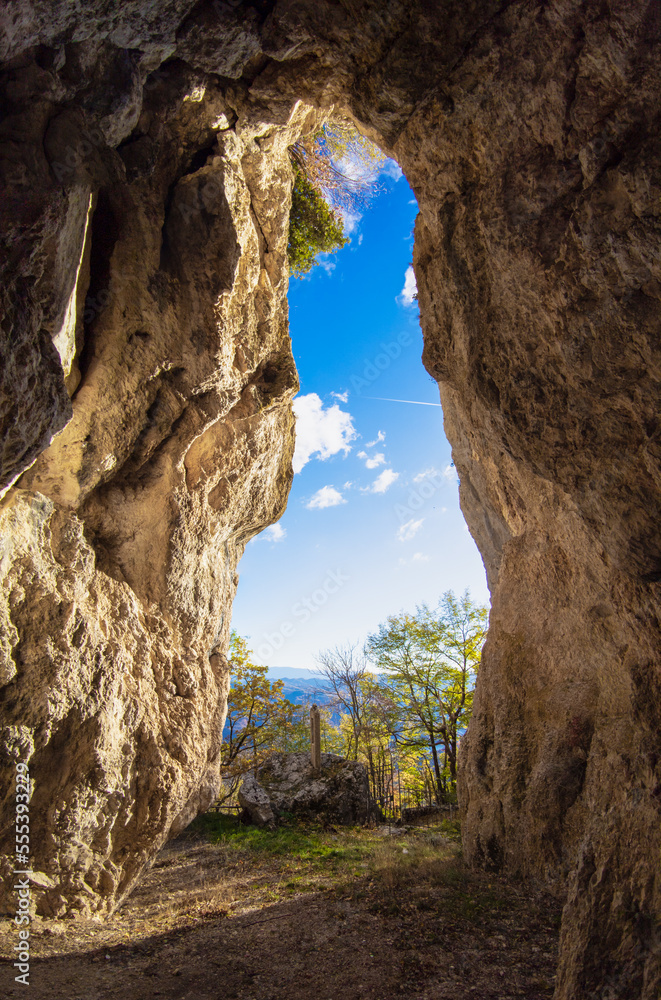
{"x":340,"y":163}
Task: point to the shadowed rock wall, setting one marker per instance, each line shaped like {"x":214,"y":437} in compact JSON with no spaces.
{"x":120,"y":543}
{"x":145,"y":152}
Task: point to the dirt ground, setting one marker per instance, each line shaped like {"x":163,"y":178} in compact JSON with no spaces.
{"x":233,"y":913}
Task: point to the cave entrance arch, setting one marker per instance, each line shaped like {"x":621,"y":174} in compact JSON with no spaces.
{"x":374,"y":499}
{"x":525,"y":131}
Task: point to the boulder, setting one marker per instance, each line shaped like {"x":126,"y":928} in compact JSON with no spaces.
{"x":287,"y":783}
{"x":256,"y":802}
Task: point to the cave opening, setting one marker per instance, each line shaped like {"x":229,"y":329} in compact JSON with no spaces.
{"x":374,"y":501}
{"x":527,"y":132}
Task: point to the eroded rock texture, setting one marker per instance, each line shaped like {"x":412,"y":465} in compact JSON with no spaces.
{"x":120,"y":544}
{"x":287,"y":783}
{"x":145,"y":158}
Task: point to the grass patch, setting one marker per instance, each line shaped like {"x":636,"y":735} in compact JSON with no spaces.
{"x":450,"y":828}
{"x":424,"y":874}
{"x":393,"y":874}
{"x":294,"y":841}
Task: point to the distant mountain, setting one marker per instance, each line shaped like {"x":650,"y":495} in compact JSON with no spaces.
{"x":292,"y":673}
{"x":300,"y":691}
{"x":300,"y":685}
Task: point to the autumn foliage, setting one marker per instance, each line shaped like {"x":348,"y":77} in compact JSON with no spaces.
{"x":335,"y":171}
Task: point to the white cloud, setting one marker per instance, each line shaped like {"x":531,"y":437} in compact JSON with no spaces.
{"x":450,"y":474}
{"x":320,"y":432}
{"x":382,"y":482}
{"x":275,"y":533}
{"x":431,"y":471}
{"x":359,"y":169}
{"x":342,"y":396}
{"x":410,"y":289}
{"x":350,"y":220}
{"x":392,"y":169}
{"x":417,"y":557}
{"x":375,"y":461}
{"x":381,"y":436}
{"x":327,"y":496}
{"x":408,"y":530}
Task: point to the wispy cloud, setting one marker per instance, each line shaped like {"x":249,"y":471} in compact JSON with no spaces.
{"x":342,"y":396}
{"x":409,"y":292}
{"x":320,"y":432}
{"x":408,"y":530}
{"x":327,"y":496}
{"x":350,"y":220}
{"x":275,"y":533}
{"x":413,"y":402}
{"x":417,"y":557}
{"x":327,"y":263}
{"x":382,"y":482}
{"x":381,"y":436}
{"x":392,"y":169}
{"x":425,"y":474}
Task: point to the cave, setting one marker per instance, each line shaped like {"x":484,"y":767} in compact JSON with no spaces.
{"x":146,"y":388}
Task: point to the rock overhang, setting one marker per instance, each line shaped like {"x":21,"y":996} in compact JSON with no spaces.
{"x":527,"y":134}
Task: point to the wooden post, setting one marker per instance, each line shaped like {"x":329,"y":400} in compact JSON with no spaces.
{"x":315,"y":738}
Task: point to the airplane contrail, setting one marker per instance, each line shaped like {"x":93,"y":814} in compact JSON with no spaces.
{"x":416,"y":402}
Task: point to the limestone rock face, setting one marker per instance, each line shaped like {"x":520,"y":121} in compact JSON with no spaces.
{"x":144,"y":324}
{"x":339,"y":792}
{"x":119,"y":547}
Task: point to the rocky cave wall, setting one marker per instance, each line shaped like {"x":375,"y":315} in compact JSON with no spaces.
{"x":147,"y":431}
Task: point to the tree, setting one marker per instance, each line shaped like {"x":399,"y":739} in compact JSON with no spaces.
{"x":335,"y":170}
{"x":340,"y":163}
{"x":430,"y":659}
{"x":347,"y":672}
{"x":314,"y":227}
{"x":259,"y":720}
{"x":363,"y":731}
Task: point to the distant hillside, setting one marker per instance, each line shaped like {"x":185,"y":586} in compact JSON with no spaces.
{"x":291,"y":673}
{"x":300,"y":691}
{"x":300,"y":685}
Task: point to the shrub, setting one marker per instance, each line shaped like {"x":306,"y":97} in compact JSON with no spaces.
{"x":335,"y":170}
{"x":314,"y":227}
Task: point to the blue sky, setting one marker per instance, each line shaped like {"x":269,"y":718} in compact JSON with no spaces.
{"x":373,"y":525}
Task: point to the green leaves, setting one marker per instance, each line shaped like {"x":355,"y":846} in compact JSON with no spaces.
{"x":335,"y":174}
{"x":314,"y":227}
{"x":410,"y":715}
{"x":431,"y":659}
{"x":259,"y":720}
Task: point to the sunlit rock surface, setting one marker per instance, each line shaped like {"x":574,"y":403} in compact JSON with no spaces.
{"x":120,"y":544}
{"x":144,"y":152}
{"x":287,"y":783}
